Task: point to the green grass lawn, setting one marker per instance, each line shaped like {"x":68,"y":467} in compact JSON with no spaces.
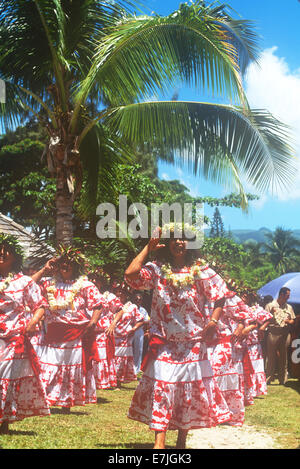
{"x":106,"y":426}
{"x":279,"y":412}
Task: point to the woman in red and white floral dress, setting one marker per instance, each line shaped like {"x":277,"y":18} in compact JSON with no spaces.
{"x":74,"y":307}
{"x":177,"y":390}
{"x":105,"y":369}
{"x":21,"y":390}
{"x":226,"y":353}
{"x":255,"y":378}
{"x":125,"y":323}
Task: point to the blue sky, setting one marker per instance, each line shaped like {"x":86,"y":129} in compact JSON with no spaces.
{"x":274,"y":86}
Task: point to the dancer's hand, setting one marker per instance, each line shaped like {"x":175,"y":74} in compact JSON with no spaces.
{"x":132,"y":272}
{"x":89,"y":328}
{"x":49,"y":269}
{"x":51,"y":266}
{"x":30,"y":328}
{"x":34,"y":321}
{"x":154,"y":242}
{"x":237,"y":335}
{"x":110,"y":330}
{"x":131,"y":333}
{"x":209,"y":330}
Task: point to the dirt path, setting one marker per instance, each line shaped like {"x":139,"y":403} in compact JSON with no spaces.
{"x":227,"y":437}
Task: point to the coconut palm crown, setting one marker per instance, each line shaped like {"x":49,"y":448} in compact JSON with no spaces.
{"x":86,"y":69}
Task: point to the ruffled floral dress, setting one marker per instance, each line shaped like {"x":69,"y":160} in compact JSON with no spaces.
{"x":228,"y":359}
{"x":68,"y":375}
{"x":123,"y":339}
{"x":21,"y":391}
{"x":177,"y":389}
{"x":105,"y":369}
{"x":256,"y":384}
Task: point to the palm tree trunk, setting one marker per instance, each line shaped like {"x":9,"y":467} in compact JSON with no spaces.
{"x":64,"y":209}
{"x":64,"y":163}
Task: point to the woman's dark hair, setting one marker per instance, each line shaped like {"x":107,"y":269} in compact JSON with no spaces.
{"x":77,"y":269}
{"x":72,"y":256}
{"x":164,"y":255}
{"x":136,"y":294}
{"x":266,"y":299}
{"x":251,"y":295}
{"x":122,"y":288}
{"x":15,"y":250}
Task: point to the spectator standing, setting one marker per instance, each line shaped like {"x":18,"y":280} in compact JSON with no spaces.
{"x":279,"y":336}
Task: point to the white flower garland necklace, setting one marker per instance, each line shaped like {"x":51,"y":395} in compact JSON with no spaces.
{"x":55,"y":305}
{"x":5,"y":282}
{"x":182,"y":279}
{"x":106,"y":294}
{"x":126,"y":308}
{"x":280,"y":315}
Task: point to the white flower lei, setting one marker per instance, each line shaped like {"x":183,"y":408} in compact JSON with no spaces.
{"x":55,"y":305}
{"x":6,"y":282}
{"x":183,"y":279}
{"x":126,"y":307}
{"x":281,"y":315}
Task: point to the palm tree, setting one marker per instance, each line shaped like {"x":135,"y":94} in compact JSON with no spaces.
{"x":256,"y":255}
{"x":86,"y":68}
{"x":283,"y":249}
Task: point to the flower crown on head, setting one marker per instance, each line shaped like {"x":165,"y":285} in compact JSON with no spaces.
{"x":11,"y":241}
{"x":179,"y":229}
{"x":72,"y":254}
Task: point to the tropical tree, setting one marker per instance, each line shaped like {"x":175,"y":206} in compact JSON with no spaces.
{"x":86,"y":69}
{"x":283,"y":249}
{"x":217,"y":226}
{"x":257,"y":256}
{"x":27,"y":191}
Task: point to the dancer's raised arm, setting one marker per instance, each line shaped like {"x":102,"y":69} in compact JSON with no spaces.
{"x":47,"y":270}
{"x":134,"y":268}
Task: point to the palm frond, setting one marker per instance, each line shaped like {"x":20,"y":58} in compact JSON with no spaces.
{"x":242,"y":32}
{"x":101,"y":153}
{"x":25,"y":54}
{"x":20,"y":103}
{"x":125,"y":239}
{"x":194,"y":45}
{"x":226,"y":144}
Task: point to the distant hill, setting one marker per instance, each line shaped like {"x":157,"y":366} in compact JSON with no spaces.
{"x":242,"y":236}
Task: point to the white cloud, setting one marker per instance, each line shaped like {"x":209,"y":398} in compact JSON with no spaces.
{"x":273,"y":86}
{"x":259,"y":204}
{"x":165,"y":176}
{"x":179,"y":172}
